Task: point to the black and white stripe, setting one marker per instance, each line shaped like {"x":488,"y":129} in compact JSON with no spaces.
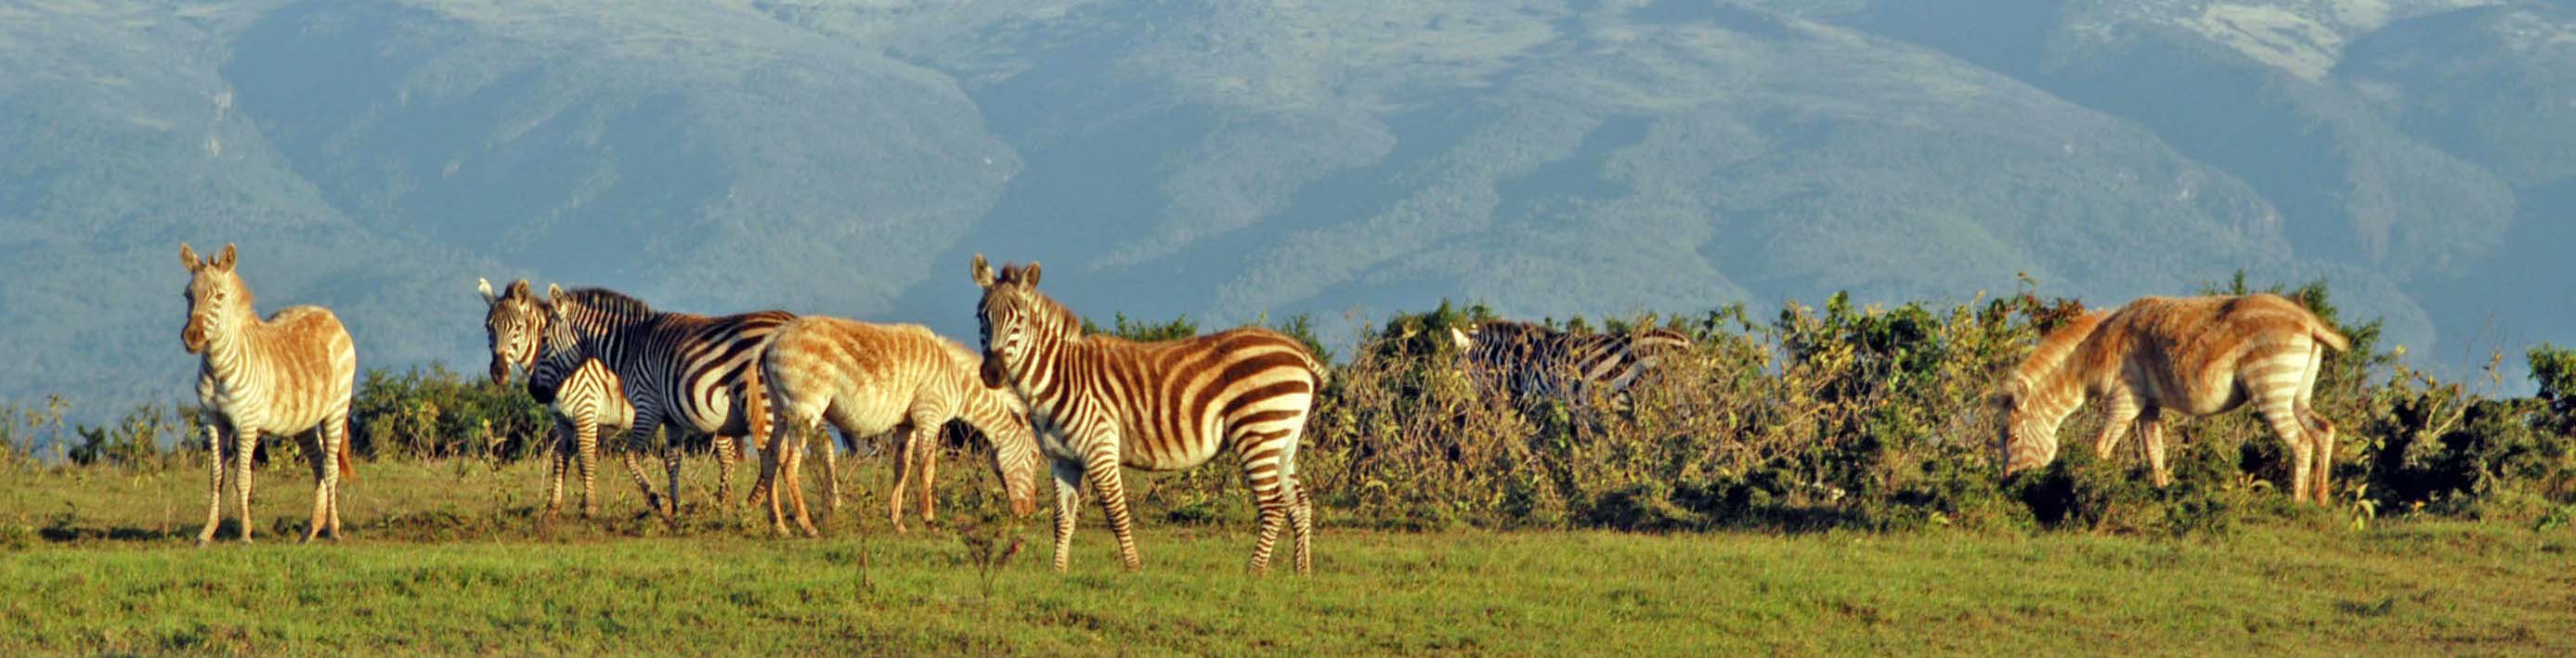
{"x":1533,"y":362}
{"x":695,"y":374}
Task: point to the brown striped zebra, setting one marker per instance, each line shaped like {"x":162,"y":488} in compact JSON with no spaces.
{"x":1533,"y":362}
{"x":869,"y":379}
{"x":286,"y":375}
{"x":695,"y":374}
{"x":1099,"y":402}
{"x":2196,"y":355}
{"x":582,"y":394}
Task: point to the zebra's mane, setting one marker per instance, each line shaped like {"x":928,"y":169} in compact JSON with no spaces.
{"x":606,"y":302}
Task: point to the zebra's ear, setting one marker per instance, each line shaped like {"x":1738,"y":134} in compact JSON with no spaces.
{"x":983,"y":272}
{"x":519,"y":289}
{"x":552,"y":291}
{"x":484,"y":286}
{"x":188,"y":257}
{"x":224,"y":261}
{"x":1461,"y":338}
{"x":1029,"y":274}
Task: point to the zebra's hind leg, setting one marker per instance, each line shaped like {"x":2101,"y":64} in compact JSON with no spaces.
{"x":1301,"y":518}
{"x":325,"y":474}
{"x":1068,"y":506}
{"x":339,"y":449}
{"x":832,"y":445}
{"x":216,"y":462}
{"x":724,"y":447}
{"x":907,"y":444}
{"x":1275,"y":500}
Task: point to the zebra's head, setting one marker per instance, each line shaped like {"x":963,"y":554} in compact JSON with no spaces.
{"x":558,"y":351}
{"x":215,"y":297}
{"x":514,"y":321}
{"x":1014,"y":319}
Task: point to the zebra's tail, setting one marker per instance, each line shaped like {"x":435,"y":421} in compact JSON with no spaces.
{"x":346,"y":473}
{"x":2327,"y":336}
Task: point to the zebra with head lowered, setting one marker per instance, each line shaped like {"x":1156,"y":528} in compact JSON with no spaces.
{"x":584,"y":397}
{"x":1534,"y":362}
{"x":866,"y":379}
{"x":288,"y":374}
{"x":694,"y":374}
{"x":1099,"y":402}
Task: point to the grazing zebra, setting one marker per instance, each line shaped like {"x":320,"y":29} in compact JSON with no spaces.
{"x":1099,"y":402}
{"x":867,"y":379}
{"x":2197,"y":355}
{"x":288,"y":374}
{"x":695,"y":374}
{"x":1534,"y":362}
{"x":582,"y":394}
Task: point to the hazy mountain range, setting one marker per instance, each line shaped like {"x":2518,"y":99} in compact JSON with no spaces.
{"x":1228,"y":160}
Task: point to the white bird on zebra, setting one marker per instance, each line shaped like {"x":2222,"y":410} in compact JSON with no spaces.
{"x":289,"y":374}
{"x":868,"y":379}
{"x":2197,"y":355}
{"x":582,"y":394}
{"x":1099,"y":402}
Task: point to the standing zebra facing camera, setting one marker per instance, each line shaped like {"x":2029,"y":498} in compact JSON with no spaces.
{"x":1101,"y":402}
{"x":1531,"y":362}
{"x":582,"y":394}
{"x":286,"y":375}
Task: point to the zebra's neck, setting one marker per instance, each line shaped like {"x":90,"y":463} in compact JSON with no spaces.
{"x":229,"y":344}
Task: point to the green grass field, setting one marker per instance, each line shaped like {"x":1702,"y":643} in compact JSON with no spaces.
{"x":444,"y":557}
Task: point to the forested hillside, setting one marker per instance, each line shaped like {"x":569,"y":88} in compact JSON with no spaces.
{"x":1229,"y":160}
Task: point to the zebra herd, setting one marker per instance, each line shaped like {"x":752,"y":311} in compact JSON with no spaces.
{"x":1093,"y":405}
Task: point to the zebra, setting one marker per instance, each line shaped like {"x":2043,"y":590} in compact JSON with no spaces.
{"x":2197,"y":355}
{"x":694,"y":374}
{"x":288,"y":374}
{"x":1533,"y":362}
{"x":582,"y":394}
{"x":1099,"y":402}
{"x":867,"y":379}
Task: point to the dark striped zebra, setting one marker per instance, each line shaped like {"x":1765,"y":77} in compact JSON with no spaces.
{"x":1533,"y":362}
{"x":582,"y":394}
{"x":1099,"y":402}
{"x":693,"y":374}
{"x":289,"y":374}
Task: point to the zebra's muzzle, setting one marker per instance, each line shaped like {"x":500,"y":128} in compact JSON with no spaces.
{"x":994,"y":376}
{"x":500,"y":371}
{"x":193,"y":336}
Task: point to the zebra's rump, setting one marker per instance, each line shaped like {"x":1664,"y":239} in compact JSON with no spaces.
{"x":1179,"y":403}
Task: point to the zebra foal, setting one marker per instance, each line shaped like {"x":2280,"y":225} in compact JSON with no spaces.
{"x":1099,"y":403}
{"x":2197,"y":355}
{"x":582,"y":394}
{"x":867,"y":379}
{"x":285,"y":375}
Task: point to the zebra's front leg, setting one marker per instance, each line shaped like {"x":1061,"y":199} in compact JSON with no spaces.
{"x":244,"y":443}
{"x":1068,"y":506}
{"x":1106,"y":480}
{"x":2151,"y":431}
{"x":638,"y":440}
{"x":832,"y":444}
{"x":585,"y":449}
{"x":216,"y":461}
{"x":671,"y":466}
{"x":906,"y":444}
{"x":558,"y":457}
